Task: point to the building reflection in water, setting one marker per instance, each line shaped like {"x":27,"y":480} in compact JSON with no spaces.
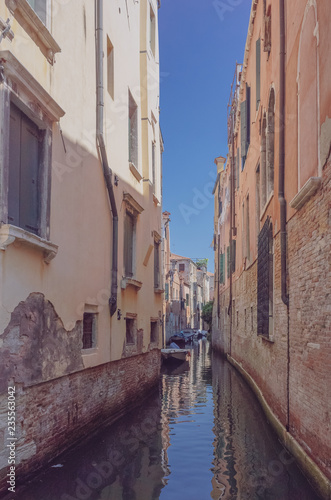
{"x":203,"y":435}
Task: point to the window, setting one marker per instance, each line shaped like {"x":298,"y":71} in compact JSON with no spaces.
{"x":157,"y":277}
{"x":267,"y":30}
{"x":133,"y":131}
{"x":234,"y":246}
{"x":166,"y":292}
{"x":130,"y":330}
{"x":228,"y":261}
{"x":263,"y":172}
{"x":187,"y":299}
{"x":25,"y":141}
{"x":245,"y":125}
{"x":237,"y":168}
{"x":154,"y":331}
{"x":181,"y":267}
{"x":25,"y":169}
{"x":110,"y":68}
{"x":222,"y":275}
{"x":258,"y":71}
{"x":270,"y":144}
{"x":129,"y":241}
{"x":89,"y":330}
{"x":153,"y":164}
{"x":265,"y":280}
{"x":152,"y":26}
{"x":248,"y":243}
{"x":40,"y":8}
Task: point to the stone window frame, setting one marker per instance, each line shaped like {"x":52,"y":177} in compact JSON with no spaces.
{"x":91,"y":310}
{"x":134,"y":209}
{"x":34,"y":27}
{"x":19,"y":87}
{"x":154,"y":321}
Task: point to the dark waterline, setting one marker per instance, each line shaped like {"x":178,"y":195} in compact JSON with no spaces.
{"x":202,"y":436}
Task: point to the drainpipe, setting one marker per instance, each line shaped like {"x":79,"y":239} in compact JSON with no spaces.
{"x":281,"y":193}
{"x":102,"y":149}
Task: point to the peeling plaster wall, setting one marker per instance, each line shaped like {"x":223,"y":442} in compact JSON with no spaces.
{"x":35,"y":347}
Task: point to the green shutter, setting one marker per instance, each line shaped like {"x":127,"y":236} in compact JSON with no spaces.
{"x":234,"y":245}
{"x":243,"y":127}
{"x":237,"y":168}
{"x":228,"y":261}
{"x":248,"y":117}
{"x":166,"y":292}
{"x":128,"y":245}
{"x":258,"y":71}
{"x":14,"y":166}
{"x":222,"y":277}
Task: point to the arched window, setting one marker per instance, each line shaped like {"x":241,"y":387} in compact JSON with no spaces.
{"x":308,"y":116}
{"x":270,"y":143}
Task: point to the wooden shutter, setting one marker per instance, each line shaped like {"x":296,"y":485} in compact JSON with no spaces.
{"x":228,"y":261}
{"x":248,"y":117}
{"x":29,"y":202}
{"x":23,"y":192}
{"x":258,"y":71}
{"x":222,"y":277}
{"x":14,"y":166}
{"x":156,"y":265}
{"x":243,"y":127}
{"x":234,"y":248}
{"x":128,"y":244}
{"x":237,"y":168}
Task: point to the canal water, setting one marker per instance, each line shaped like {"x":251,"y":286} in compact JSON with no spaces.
{"x":201,"y":436}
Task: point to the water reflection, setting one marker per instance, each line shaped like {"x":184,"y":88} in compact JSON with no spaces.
{"x":203,"y":435}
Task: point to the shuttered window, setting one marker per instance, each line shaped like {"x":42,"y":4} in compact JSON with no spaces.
{"x":258,"y":72}
{"x":24,"y":158}
{"x":237,"y":169}
{"x":234,"y":248}
{"x":133,"y":131}
{"x":129,"y":229}
{"x":156,"y":264}
{"x":222,"y":276}
{"x":166,"y":292}
{"x":245,"y":124}
{"x":228,"y":261}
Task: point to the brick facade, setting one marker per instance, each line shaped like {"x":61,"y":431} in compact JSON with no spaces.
{"x":54,"y":415}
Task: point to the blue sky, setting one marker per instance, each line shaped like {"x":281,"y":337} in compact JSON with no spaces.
{"x":200,"y":43}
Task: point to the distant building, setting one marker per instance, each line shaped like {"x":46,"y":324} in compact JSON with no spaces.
{"x":272,"y":228}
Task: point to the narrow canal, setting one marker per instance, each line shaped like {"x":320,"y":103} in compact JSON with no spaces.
{"x":202,"y":436}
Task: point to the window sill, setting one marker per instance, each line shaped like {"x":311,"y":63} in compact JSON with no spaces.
{"x":158,"y":290}
{"x":306,"y":192}
{"x":264,"y":209}
{"x":267,"y":339}
{"x":12,"y":234}
{"x":156,"y":200}
{"x":134,"y":171}
{"x":34,"y":27}
{"x":132,"y":282}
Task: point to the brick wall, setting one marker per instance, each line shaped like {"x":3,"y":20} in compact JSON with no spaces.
{"x":53,"y":415}
{"x":309,"y":324}
{"x":309,"y":257}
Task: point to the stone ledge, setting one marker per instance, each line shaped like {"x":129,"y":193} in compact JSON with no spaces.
{"x":135,"y":172}
{"x":34,"y":27}
{"x":132,"y":282}
{"x":314,"y":474}
{"x":306,"y":192}
{"x":12,"y":234}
